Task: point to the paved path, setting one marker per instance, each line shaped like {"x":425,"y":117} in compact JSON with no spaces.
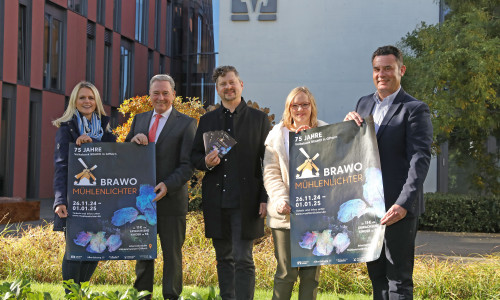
{"x":457,"y":244}
{"x":449,"y":244}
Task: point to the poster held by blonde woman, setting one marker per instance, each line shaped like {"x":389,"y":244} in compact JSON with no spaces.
{"x":300,"y":114}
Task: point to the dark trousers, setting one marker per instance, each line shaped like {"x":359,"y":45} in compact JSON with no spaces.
{"x":392,"y":273}
{"x":235,"y":266}
{"x":172,"y":232}
{"x":79,"y":271}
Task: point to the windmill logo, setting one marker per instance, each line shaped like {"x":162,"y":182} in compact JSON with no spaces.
{"x":85,"y":177}
{"x":306,"y":169}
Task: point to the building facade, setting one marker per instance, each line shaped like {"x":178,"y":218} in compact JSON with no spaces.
{"x":48,"y":46}
{"x":325,"y":45}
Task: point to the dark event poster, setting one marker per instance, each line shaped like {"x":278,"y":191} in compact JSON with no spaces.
{"x":110,"y":192}
{"x":336,"y":195}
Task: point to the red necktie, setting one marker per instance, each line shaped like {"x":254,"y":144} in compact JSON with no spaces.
{"x":152,"y":131}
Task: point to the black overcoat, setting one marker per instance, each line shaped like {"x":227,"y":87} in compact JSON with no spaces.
{"x":251,"y":127}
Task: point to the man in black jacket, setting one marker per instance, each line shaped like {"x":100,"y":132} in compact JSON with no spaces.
{"x":234,"y":198}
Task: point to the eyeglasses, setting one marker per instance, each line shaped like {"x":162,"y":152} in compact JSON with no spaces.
{"x":303,"y":106}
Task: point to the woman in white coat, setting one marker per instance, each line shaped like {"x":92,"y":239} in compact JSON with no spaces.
{"x":300,"y":114}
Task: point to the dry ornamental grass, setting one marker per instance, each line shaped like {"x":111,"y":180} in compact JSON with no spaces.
{"x":36,"y":254}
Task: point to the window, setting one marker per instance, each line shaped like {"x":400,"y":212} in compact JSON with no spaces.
{"x":198,"y":42}
{"x":117,"y":15}
{"x":1,"y":38}
{"x":162,"y":65}
{"x":126,"y":69}
{"x":106,"y":93}
{"x":444,"y":10}
{"x":150,"y":65}
{"x":23,"y":49}
{"x":78,"y":6}
{"x":168,"y":47}
{"x":90,"y":67}
{"x":177,"y":28}
{"x":101,"y":11}
{"x":157,"y":23}
{"x":7,"y":139}
{"x":34,"y":143}
{"x":141,"y":20}
{"x":53,"y":49}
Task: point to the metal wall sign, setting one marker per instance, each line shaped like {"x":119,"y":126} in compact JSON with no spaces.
{"x":265,"y":10}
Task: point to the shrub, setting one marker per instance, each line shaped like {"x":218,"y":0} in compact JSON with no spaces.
{"x":21,"y":289}
{"x":461,"y":213}
{"x":77,"y":292}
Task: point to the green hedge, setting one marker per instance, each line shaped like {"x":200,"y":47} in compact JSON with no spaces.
{"x":461,"y":213}
{"x":448,"y":212}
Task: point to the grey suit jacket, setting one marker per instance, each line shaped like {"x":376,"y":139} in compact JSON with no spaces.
{"x":173,"y":166}
{"x":404,"y":142}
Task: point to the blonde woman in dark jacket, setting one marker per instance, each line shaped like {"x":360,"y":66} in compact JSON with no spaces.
{"x":84,"y":121}
{"x":300,"y":114}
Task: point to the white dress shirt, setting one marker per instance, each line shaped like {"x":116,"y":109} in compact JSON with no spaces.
{"x":382,"y":107}
{"x":161,"y":122}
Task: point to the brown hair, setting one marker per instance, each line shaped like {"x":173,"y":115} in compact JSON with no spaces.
{"x":222,"y":71}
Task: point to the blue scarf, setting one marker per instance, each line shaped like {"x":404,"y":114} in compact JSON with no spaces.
{"x":93,"y":128}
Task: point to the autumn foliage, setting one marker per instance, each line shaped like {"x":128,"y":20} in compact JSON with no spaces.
{"x":139,"y":104}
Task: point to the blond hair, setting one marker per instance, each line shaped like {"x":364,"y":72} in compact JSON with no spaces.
{"x":70,"y":110}
{"x":287,"y":116}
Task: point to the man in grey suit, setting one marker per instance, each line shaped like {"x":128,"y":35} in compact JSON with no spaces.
{"x":173,"y":133}
{"x":404,"y":136}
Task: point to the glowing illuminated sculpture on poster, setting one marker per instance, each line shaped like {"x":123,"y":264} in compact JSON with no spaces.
{"x":337,"y":236}
{"x":97,"y":242}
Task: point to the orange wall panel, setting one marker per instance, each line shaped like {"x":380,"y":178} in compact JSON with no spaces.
{"x":108,"y":20}
{"x":76,"y":50}
{"x":92,"y":10}
{"x":128,"y":19}
{"x":37,"y":23}
{"x":163,"y":26}
{"x":10,"y":41}
{"x":140,"y":69}
{"x":151,"y":24}
{"x":99,"y":58}
{"x":63,"y":3}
